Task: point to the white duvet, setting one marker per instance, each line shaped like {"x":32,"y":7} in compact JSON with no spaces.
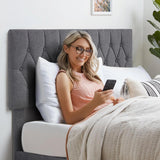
{"x":127,"y":131}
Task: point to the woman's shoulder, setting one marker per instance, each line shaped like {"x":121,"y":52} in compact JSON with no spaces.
{"x":61,"y":74}
{"x":63,"y":78}
{"x":61,"y":71}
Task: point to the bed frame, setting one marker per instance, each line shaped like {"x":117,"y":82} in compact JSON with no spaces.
{"x":24,"y":48}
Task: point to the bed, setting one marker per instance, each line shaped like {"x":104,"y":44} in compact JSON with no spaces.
{"x":24,"y":48}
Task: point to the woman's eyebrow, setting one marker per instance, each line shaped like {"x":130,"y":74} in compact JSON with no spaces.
{"x":78,"y":45}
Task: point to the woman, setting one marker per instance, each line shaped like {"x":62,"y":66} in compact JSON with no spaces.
{"x":79,"y":89}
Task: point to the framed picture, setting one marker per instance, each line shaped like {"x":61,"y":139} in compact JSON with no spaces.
{"x":101,"y":7}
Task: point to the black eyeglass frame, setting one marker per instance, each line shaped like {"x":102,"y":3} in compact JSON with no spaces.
{"x":87,"y":52}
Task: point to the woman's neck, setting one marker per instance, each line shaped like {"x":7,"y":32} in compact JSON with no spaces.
{"x":79,"y":70}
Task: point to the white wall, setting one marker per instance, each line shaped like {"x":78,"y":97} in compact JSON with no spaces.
{"x":59,"y":14}
{"x":151,"y":62}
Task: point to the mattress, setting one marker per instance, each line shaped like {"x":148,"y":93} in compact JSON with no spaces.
{"x":45,"y":138}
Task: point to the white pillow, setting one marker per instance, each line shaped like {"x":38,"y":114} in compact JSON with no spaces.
{"x":133,"y":88}
{"x":121,"y":73}
{"x":46,"y":98}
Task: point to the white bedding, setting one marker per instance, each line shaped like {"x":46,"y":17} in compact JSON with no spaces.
{"x":45,"y":138}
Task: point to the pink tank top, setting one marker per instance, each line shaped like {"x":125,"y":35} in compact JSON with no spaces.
{"x":83,"y":92}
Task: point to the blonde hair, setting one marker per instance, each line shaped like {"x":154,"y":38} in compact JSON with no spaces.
{"x":90,"y":67}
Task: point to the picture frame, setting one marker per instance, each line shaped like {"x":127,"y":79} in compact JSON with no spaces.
{"x":101,"y":7}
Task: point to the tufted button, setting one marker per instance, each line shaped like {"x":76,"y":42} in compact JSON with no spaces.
{"x":28,"y":50}
{"x":21,"y":68}
{"x":116,"y":60}
{"x":44,"y":49}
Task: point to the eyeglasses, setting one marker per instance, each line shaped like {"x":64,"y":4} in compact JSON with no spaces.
{"x":81,"y":50}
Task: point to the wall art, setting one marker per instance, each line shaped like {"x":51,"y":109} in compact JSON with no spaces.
{"x":101,"y":7}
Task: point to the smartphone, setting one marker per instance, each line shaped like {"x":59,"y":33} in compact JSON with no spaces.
{"x":110,"y":83}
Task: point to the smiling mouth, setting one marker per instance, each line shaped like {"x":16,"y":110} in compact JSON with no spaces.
{"x":81,"y":59}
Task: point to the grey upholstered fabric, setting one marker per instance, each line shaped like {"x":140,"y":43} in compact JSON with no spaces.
{"x":29,"y":156}
{"x":24,"y":48}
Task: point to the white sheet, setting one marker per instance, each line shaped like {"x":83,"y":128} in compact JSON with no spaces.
{"x":45,"y":138}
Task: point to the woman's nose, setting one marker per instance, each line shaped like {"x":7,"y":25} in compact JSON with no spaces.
{"x":84,"y":54}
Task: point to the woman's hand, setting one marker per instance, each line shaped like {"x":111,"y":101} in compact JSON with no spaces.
{"x":118,"y":100}
{"x":101,"y":97}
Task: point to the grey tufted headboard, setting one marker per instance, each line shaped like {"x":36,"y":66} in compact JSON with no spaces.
{"x":24,"y":48}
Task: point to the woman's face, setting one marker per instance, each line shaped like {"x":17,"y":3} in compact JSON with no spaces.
{"x":78,"y":56}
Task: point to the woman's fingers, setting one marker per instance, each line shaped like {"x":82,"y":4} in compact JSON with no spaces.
{"x":108,"y":91}
{"x":102,"y":96}
{"x":118,"y":100}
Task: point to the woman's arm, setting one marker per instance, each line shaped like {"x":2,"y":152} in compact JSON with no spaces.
{"x":64,"y":87}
